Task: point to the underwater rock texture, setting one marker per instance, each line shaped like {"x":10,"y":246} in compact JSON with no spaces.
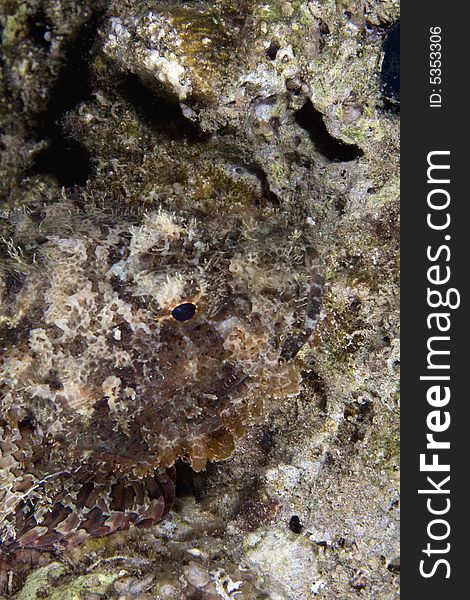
{"x":223,"y":112}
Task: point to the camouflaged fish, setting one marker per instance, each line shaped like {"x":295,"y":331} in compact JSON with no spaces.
{"x":131,"y":340}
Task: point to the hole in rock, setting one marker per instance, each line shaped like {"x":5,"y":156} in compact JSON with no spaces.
{"x":40,"y":28}
{"x":189,"y":482}
{"x":272,"y":51}
{"x":67,"y":160}
{"x":295,"y":525}
{"x":158,"y":111}
{"x":311,"y":119}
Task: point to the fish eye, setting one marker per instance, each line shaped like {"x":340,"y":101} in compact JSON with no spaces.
{"x":184,"y":312}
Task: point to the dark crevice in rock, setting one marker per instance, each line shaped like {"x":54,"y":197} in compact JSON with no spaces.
{"x":39,"y":28}
{"x":65,"y":158}
{"x":295,"y":525}
{"x":189,"y":482}
{"x":272,"y":51}
{"x":390,"y":74}
{"x":310,"y":119}
{"x":160,"y":113}
{"x":270,"y":196}
{"x":73,"y":85}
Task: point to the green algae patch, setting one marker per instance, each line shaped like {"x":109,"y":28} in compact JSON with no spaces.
{"x":15,"y":23}
{"x":40,"y":580}
{"x":54,"y":582}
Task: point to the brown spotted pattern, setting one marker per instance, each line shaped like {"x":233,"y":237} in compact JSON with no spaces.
{"x":130,"y":340}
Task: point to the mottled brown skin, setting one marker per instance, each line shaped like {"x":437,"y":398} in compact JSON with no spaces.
{"x":104,"y":385}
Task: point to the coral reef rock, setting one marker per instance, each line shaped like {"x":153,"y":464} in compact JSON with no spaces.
{"x":182,"y":183}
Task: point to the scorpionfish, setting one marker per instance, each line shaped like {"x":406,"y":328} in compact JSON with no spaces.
{"x":132,"y":339}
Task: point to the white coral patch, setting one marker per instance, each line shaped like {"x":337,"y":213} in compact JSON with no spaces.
{"x":170,"y":72}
